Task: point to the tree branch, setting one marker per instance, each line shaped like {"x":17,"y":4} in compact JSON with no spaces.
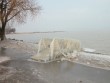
{"x":13,"y":16}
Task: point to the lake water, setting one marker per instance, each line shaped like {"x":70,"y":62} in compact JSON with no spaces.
{"x":98,"y":40}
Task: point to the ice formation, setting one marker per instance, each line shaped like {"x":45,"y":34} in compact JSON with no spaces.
{"x":89,"y":50}
{"x":51,"y":49}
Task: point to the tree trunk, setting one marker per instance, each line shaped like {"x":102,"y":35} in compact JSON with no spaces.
{"x":3,"y":31}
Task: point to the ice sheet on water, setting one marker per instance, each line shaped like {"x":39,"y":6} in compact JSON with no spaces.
{"x":89,"y":50}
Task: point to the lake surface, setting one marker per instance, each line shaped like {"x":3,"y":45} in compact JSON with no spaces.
{"x":54,"y":72}
{"x":98,"y":40}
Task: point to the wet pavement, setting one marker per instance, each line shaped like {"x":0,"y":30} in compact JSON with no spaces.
{"x":54,"y":72}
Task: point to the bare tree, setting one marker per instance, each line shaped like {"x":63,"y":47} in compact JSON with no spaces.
{"x":16,"y":11}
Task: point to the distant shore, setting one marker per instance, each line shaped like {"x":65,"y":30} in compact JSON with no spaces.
{"x":36,"y":32}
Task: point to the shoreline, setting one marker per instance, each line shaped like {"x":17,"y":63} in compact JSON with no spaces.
{"x":19,"y":45}
{"x":88,"y":59}
{"x":36,"y":32}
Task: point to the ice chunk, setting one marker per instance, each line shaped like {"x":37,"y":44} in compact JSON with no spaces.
{"x":89,"y":50}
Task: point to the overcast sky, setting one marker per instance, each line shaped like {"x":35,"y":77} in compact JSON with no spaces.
{"x":69,"y":15}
